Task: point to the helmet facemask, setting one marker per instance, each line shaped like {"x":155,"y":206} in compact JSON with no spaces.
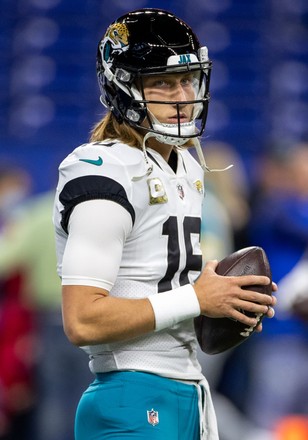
{"x":135,"y":108}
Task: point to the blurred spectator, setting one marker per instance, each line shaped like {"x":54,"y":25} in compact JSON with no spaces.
{"x":17,"y":348}
{"x":293,"y":290}
{"x":17,"y":396}
{"x":216,"y":229}
{"x":231,"y":187}
{"x":277,"y":362}
{"x":15,"y":187}
{"x":217,"y":241}
{"x":280,"y":207}
{"x":62,"y":369}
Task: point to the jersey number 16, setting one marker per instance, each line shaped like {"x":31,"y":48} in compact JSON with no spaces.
{"x":191,"y":225}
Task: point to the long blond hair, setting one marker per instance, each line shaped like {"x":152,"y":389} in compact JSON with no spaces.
{"x":109,"y":128}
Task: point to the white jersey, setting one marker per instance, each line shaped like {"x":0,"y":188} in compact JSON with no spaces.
{"x":161,"y":252}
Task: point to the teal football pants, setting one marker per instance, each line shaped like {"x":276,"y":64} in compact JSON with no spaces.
{"x":137,"y":406}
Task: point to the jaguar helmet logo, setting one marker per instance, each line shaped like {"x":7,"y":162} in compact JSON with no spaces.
{"x":115,"y":41}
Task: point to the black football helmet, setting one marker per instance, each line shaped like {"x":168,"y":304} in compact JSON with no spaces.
{"x":152,"y":42}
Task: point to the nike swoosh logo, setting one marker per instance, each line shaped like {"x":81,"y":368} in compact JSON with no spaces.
{"x":98,"y":162}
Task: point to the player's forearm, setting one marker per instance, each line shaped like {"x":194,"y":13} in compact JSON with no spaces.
{"x":104,"y":319}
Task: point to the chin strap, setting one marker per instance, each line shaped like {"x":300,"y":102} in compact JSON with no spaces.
{"x":203,"y":164}
{"x":144,"y":150}
{"x":198,"y":148}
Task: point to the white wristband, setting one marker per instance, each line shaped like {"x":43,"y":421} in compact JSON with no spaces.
{"x":174,"y":306}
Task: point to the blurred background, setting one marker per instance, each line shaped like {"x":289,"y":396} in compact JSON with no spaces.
{"x":257,"y":120}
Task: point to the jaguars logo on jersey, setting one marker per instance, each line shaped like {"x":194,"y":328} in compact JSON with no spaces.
{"x":114,"y":41}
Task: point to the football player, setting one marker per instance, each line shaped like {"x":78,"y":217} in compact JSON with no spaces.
{"x":127,"y":218}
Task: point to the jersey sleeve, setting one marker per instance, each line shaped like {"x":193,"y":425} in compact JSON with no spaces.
{"x":97,"y":233}
{"x":94,"y":172}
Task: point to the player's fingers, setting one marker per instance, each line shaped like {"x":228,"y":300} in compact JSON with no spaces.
{"x":274,"y":287}
{"x":211,"y":265}
{"x":252,"y":280}
{"x":237,"y":315}
{"x":252,"y":307}
{"x":256,"y":297}
{"x":270,"y":312}
{"x":259,"y":328}
{"x":274,"y":300}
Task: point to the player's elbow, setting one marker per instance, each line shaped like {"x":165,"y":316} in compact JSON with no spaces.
{"x":77,"y":333}
{"x":74,"y":334}
{"x":84,"y":332}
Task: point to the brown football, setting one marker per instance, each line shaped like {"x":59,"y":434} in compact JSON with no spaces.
{"x":216,"y":335}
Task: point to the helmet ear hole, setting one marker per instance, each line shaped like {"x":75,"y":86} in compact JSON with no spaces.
{"x":124,"y":106}
{"x":130,"y":109}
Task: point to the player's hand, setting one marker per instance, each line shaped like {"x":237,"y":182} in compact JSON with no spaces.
{"x":224,"y":296}
{"x":271,"y":312}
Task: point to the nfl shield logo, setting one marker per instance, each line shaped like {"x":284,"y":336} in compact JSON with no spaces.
{"x":153,"y":417}
{"x":180,"y":191}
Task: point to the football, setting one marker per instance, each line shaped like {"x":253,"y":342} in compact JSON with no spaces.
{"x":216,"y":335}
